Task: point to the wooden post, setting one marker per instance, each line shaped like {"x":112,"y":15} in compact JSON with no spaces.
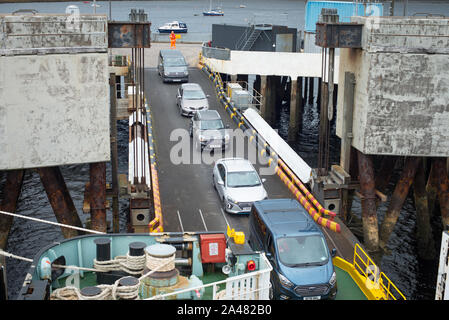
{"x":369,"y":210}
{"x":426,"y":245}
{"x":11,"y":194}
{"x":60,"y":199}
{"x":398,"y":198}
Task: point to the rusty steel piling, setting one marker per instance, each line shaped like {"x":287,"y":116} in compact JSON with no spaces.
{"x":397,"y":199}
{"x":11,"y":193}
{"x":426,"y":245}
{"x":369,"y":209}
{"x":98,"y":196}
{"x":60,"y":199}
{"x":443,"y":188}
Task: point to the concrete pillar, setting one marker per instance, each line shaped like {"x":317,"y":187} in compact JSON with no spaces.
{"x":369,"y":212}
{"x":296,"y":109}
{"x":11,"y":194}
{"x":398,"y":198}
{"x":60,"y":199}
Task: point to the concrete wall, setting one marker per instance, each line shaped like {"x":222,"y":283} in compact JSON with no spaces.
{"x":401,"y":93}
{"x":54,"y":107}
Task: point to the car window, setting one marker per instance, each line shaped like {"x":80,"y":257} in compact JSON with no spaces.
{"x":221,"y":170}
{"x":243,"y":179}
{"x":194,"y":95}
{"x":175,"y":62}
{"x":302,"y":250}
{"x":211,"y":125}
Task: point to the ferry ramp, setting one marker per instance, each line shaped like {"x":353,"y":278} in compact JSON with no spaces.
{"x":189,"y":200}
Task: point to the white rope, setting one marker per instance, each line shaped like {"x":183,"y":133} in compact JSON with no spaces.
{"x":50,"y":222}
{"x":153,"y":262}
{"x":129,"y":264}
{"x":13,"y":256}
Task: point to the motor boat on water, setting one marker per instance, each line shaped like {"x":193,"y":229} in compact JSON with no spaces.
{"x":175,"y":26}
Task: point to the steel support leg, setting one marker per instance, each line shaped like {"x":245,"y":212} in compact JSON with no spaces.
{"x":60,"y":199}
{"x":398,"y":198}
{"x":369,"y":212}
{"x":98,"y":196}
{"x":11,"y":193}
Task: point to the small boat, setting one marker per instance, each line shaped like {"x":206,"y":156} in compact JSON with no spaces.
{"x":175,"y":26}
{"x":213,"y":12}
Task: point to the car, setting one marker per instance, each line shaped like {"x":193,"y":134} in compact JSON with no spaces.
{"x":172,"y":66}
{"x":296,"y":248}
{"x":191,"y":98}
{"x":238,"y":185}
{"x":208,"y":131}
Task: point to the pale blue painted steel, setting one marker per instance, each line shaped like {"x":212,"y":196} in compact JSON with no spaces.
{"x":344,"y":9}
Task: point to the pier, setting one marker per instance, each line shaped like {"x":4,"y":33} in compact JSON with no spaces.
{"x":386,"y":93}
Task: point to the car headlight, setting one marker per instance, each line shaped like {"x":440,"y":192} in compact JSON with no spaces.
{"x":333,"y":279}
{"x":285,"y":282}
{"x":231,"y":200}
{"x":202,"y":138}
{"x":226,"y":137}
{"x":186,"y":72}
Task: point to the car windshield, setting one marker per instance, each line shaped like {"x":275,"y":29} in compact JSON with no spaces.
{"x":193,"y":95}
{"x":175,"y":62}
{"x":302,"y":250}
{"x":211,"y":125}
{"x":243,"y":179}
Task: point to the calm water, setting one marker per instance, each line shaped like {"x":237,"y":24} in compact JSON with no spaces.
{"x":415,"y":278}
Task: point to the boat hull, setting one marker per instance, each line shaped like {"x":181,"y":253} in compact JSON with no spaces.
{"x":212,"y":14}
{"x":174,"y":30}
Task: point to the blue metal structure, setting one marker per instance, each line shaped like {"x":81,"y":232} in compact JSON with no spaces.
{"x":344,"y":9}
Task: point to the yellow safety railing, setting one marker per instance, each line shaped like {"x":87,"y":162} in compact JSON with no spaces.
{"x":377,"y":283}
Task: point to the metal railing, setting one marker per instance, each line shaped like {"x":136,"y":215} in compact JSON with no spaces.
{"x":375,"y":280}
{"x":255,"y":96}
{"x":248,"y":286}
{"x":215,"y":53}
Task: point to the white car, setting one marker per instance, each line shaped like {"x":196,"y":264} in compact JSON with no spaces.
{"x":238,"y":184}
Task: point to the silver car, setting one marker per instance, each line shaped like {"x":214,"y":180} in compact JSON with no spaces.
{"x":208,"y":131}
{"x":238,"y":184}
{"x":191,"y":98}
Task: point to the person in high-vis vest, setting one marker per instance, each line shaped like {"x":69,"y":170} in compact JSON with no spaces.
{"x":172,"y":40}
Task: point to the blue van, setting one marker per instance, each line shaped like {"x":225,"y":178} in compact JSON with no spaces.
{"x":296,"y":248}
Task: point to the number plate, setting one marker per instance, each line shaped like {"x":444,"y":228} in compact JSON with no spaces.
{"x":215,"y":146}
{"x":246,"y":208}
{"x":176,"y":80}
{"x":312,"y":298}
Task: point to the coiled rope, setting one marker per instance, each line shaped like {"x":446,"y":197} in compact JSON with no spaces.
{"x":108,"y":292}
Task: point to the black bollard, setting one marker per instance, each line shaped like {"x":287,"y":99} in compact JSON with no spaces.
{"x":136,"y":249}
{"x":103,"y":249}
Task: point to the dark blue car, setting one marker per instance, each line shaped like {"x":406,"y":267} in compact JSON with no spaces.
{"x":296,"y":248}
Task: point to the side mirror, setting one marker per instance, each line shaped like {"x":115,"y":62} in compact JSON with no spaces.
{"x":178,"y":96}
{"x":269,"y":255}
{"x":227,"y":126}
{"x":207,"y":95}
{"x":333,"y":252}
{"x":263,"y":180}
{"x":221,"y":182}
